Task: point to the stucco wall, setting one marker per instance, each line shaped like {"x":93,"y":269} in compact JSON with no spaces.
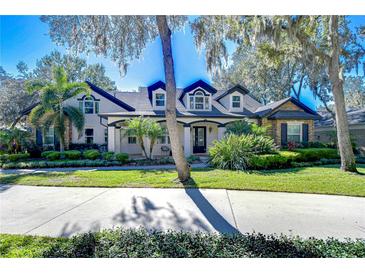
{"x":93,"y":120}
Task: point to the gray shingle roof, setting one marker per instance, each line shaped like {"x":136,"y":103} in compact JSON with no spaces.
{"x":354,"y":117}
{"x":140,"y":102}
{"x":293,"y":114}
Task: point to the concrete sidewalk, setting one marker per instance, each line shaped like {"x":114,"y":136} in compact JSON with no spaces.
{"x":64,"y":211}
{"x":71,"y":169}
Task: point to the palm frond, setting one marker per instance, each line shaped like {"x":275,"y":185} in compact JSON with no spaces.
{"x":75,"y":116}
{"x":33,"y":86}
{"x":36,"y":115}
{"x":48,"y":119}
{"x":73,"y":89}
{"x":49,"y":97}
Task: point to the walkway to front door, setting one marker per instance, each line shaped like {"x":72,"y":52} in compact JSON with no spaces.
{"x":200,"y":139}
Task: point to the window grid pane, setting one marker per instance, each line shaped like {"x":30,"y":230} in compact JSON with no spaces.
{"x":89,"y":135}
{"x":236,"y":101}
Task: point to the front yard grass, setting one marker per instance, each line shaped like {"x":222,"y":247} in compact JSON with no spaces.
{"x":25,"y":246}
{"x":322,"y":180}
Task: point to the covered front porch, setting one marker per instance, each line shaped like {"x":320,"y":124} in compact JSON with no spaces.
{"x":196,"y":136}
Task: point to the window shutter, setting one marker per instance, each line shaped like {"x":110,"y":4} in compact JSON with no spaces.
{"x":39,"y":137}
{"x":284,"y":134}
{"x":305,"y":133}
{"x":96,"y":107}
{"x":56,"y":141}
{"x":81,"y":103}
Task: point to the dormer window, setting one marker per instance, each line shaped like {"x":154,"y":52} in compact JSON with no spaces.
{"x":236,"y":101}
{"x":199,"y":101}
{"x":159,"y":100}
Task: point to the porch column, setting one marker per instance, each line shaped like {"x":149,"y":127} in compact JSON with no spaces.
{"x":117,"y":139}
{"x":187,"y":134}
{"x":221,"y":131}
{"x":111,"y":138}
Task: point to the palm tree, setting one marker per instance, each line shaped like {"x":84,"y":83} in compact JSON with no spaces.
{"x":142,"y":127}
{"x":154,"y":131}
{"x":51,"y":111}
{"x":137,"y":127}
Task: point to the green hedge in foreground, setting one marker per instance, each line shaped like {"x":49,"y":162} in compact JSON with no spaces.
{"x":141,"y":243}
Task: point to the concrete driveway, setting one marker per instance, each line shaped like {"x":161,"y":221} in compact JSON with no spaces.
{"x":64,"y":211}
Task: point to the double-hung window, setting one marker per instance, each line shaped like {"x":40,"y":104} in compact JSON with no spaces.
{"x":160,"y":100}
{"x":89,"y":135}
{"x":164,"y":139}
{"x":294,"y":133}
{"x":49,"y":137}
{"x":236,"y":101}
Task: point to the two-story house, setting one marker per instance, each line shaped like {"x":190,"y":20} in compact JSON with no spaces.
{"x":202,"y":112}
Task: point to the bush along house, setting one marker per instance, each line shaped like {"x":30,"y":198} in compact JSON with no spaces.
{"x":202,"y":112}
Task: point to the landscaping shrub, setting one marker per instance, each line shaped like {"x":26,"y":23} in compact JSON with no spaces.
{"x":269,"y":161}
{"x":59,"y":163}
{"x":51,"y":155}
{"x":18,"y":157}
{"x":145,"y":244}
{"x":316,"y":154}
{"x":108,"y":155}
{"x":91,"y":154}
{"x":14,"y":157}
{"x":235,"y":152}
{"x":72,"y":154}
{"x":4,"y":157}
{"x":193,"y":158}
{"x":122,"y":157}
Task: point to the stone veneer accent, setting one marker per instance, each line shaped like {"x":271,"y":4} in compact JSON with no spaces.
{"x":274,"y":128}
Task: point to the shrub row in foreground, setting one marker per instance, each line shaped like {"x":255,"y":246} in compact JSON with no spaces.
{"x":14,"y":157}
{"x":141,"y":243}
{"x":54,"y":164}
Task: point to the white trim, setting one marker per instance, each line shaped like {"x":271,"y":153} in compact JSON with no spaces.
{"x":84,"y":134}
{"x":300,"y":124}
{"x":233,"y":109}
{"x":89,"y":99}
{"x":155,"y":107}
{"x":206,"y":92}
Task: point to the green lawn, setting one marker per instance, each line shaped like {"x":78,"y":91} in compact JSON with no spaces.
{"x":25,"y":246}
{"x":324,"y":179}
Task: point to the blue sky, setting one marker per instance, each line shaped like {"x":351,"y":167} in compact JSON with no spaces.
{"x":25,"y":38}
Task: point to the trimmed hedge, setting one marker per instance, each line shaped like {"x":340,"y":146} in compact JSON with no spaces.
{"x":14,"y":157}
{"x":297,"y":158}
{"x":316,"y":154}
{"x":51,"y":155}
{"x":91,"y":154}
{"x":53,"y":164}
{"x":127,"y":243}
{"x":122,"y":157}
{"x":72,"y":154}
{"x":109,"y":156}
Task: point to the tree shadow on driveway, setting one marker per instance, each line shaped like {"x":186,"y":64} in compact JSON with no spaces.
{"x":218,"y":222}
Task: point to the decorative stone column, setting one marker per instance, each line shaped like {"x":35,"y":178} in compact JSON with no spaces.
{"x":117,"y":140}
{"x":111,"y":138}
{"x":187,"y":135}
{"x":221,"y":131}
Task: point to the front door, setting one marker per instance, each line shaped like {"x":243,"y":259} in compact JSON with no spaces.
{"x":200,"y":143}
